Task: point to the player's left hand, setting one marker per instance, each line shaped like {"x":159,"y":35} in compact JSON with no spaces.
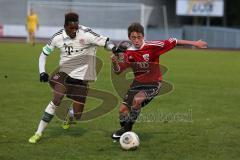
{"x":117,"y":50}
{"x":200,"y":44}
{"x":44,"y":77}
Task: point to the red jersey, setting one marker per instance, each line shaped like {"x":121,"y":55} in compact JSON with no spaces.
{"x":145,"y":61}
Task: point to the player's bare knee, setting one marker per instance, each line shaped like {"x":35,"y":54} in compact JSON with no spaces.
{"x":138,"y":99}
{"x":123,"y":109}
{"x":57,"y":100}
{"x":137,"y":102}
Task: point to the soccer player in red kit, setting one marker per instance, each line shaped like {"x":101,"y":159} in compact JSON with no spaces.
{"x":143,"y":57}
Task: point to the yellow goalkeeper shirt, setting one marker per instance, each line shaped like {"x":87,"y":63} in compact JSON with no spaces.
{"x":32,"y":22}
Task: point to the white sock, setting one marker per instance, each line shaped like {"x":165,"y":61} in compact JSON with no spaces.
{"x":71,"y":112}
{"x":50,"y":109}
{"x":41,"y":127}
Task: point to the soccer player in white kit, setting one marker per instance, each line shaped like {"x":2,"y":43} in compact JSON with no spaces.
{"x":77,"y":45}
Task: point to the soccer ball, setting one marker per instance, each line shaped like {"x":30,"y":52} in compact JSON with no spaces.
{"x":129,"y":141}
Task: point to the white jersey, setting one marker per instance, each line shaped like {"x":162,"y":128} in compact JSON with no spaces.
{"x":78,"y":55}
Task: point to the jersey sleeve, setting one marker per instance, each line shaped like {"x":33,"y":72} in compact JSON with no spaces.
{"x":123,"y":64}
{"x":165,"y":45}
{"x":94,"y":38}
{"x":49,"y":47}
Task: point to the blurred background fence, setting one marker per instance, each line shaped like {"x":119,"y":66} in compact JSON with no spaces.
{"x":161,"y":18}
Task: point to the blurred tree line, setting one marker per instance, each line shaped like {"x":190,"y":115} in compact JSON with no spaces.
{"x":232,"y":13}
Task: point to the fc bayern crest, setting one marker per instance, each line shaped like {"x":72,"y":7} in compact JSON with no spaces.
{"x":81,"y":41}
{"x":56,"y":76}
{"x":146,"y":57}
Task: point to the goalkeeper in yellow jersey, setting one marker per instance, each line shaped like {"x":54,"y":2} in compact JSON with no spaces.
{"x":31,"y":25}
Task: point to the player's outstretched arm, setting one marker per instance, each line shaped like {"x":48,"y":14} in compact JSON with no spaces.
{"x":42,"y":61}
{"x":198,"y":44}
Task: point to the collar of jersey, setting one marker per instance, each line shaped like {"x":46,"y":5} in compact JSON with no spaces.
{"x":142,"y":45}
{"x":65,"y":36}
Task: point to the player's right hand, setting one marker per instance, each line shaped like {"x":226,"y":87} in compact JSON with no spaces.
{"x":116,"y":51}
{"x":44,"y":77}
{"x":122,"y":47}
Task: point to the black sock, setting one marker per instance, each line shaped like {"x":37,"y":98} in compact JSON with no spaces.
{"x":133,"y":115}
{"x":123,"y":117}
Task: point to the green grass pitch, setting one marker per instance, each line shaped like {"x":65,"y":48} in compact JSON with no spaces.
{"x":206,"y":91}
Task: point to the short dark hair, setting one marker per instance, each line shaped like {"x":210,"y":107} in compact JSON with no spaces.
{"x":135,"y":27}
{"x":71,"y":17}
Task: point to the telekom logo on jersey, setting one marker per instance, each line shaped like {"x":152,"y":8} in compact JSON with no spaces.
{"x":68,"y":49}
{"x":81,"y":41}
